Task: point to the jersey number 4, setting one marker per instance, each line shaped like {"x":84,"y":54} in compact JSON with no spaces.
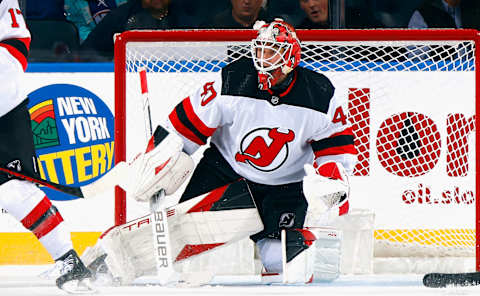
{"x":339,"y":116}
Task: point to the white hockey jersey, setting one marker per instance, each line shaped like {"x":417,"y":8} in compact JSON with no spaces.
{"x":14,"y":46}
{"x":267,"y":137}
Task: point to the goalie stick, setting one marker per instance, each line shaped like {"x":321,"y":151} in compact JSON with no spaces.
{"x":442,"y":280}
{"x":118,"y":175}
{"x":157,"y":199}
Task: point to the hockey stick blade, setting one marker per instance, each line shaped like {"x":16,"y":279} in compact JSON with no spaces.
{"x":442,"y":280}
{"x":118,"y":175}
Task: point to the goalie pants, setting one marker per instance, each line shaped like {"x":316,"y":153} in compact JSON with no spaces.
{"x":17,"y":151}
{"x":280,"y":206}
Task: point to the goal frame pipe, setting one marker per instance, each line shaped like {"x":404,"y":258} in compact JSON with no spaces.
{"x":122,"y":39}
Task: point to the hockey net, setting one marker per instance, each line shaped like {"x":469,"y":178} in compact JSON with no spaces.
{"x":412,"y":102}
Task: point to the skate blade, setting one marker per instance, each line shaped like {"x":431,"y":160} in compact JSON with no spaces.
{"x":79,"y":287}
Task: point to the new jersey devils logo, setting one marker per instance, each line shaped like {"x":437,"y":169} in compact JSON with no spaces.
{"x":265,"y":149}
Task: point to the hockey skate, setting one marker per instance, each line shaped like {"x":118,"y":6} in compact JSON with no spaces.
{"x":71,"y":274}
{"x":101,"y":275}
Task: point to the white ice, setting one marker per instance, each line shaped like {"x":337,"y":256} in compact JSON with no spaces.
{"x":24,"y":280}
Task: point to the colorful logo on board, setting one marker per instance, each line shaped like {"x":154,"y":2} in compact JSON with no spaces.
{"x":73,"y":131}
{"x":44,"y":127}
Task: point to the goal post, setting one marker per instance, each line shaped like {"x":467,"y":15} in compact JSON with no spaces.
{"x":413,"y":105}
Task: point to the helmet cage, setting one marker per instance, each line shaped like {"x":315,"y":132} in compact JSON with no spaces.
{"x":282,"y":53}
{"x":279,"y":38}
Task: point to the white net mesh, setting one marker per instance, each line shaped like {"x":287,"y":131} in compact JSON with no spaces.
{"x":412,"y":106}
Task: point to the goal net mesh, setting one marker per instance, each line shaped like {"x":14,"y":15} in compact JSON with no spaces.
{"x":412,"y":106}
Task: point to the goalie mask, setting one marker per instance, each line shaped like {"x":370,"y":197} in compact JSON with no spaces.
{"x":275,"y":51}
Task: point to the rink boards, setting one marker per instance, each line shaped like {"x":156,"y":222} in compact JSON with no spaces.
{"x":79,"y":138}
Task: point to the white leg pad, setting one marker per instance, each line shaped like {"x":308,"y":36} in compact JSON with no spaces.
{"x":320,"y":262}
{"x":234,"y":259}
{"x":129,"y":250}
{"x":299,"y":269}
{"x":328,"y":253}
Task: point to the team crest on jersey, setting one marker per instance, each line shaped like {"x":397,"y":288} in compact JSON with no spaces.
{"x":265,"y":149}
{"x":286,"y":220}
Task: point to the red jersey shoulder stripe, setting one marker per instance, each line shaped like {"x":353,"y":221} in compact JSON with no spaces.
{"x":182,"y":129}
{"x":195,"y":120}
{"x":18,"y":48}
{"x":188,"y":124}
{"x":347,"y":149}
{"x":338,"y":143}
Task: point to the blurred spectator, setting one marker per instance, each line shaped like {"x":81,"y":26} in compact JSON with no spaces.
{"x":446,"y":14}
{"x":241,"y":15}
{"x":393,"y":13}
{"x":45,"y":10}
{"x":86,"y":14}
{"x":358,"y":15}
{"x":198,"y":10}
{"x":53,"y":41}
{"x":316,"y":14}
{"x":135,"y":14}
{"x":288,"y":10}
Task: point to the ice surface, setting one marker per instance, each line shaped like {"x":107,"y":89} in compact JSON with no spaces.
{"x":24,"y":280}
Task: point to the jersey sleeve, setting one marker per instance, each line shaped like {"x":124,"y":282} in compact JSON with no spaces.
{"x":14,"y":35}
{"x":197,"y":116}
{"x":335,"y":140}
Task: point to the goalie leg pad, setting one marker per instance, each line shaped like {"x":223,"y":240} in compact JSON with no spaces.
{"x":201,"y":224}
{"x":129,"y":250}
{"x":294,"y":264}
{"x":311,"y":254}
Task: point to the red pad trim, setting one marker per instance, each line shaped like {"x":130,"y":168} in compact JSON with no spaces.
{"x":191,"y":250}
{"x":151,"y":145}
{"x":160,"y":167}
{"x":183,"y":130}
{"x":329,"y":170}
{"x":37,"y":212}
{"x":195,"y":120}
{"x":270,"y":273}
{"x":207,"y":202}
{"x":106,"y":232}
{"x":48,"y":225}
{"x":310,"y":280}
{"x":308,"y":236}
{"x":344,"y":209}
{"x":170,"y":212}
{"x":347,"y":149}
